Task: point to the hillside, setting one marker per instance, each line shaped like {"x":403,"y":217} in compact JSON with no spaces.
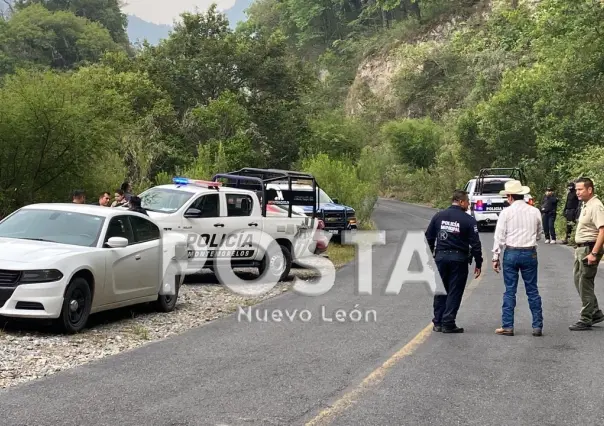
{"x":448,"y":87}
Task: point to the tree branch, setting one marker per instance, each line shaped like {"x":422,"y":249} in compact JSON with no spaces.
{"x":61,"y":172}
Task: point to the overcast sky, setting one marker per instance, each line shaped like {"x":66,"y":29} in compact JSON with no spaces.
{"x":165,"y":11}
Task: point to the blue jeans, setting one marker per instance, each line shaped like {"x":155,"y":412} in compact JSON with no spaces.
{"x":525,"y":262}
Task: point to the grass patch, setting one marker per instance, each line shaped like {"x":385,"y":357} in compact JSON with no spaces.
{"x":140,"y":331}
{"x":369,"y":225}
{"x":340,"y":254}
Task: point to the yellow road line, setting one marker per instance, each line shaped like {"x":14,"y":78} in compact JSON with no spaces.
{"x":348,"y":399}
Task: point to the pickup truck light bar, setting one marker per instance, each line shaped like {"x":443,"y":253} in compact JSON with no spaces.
{"x":252,"y":178}
{"x":196,"y":182}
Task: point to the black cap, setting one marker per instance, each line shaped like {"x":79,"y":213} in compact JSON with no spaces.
{"x":549,"y":188}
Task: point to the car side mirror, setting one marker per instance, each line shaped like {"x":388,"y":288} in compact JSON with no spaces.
{"x":117,"y":242}
{"x":192,"y":212}
{"x":335,"y":200}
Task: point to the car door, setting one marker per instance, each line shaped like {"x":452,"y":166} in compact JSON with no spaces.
{"x":122,"y":264}
{"x":205,"y":228}
{"x":240,"y":244}
{"x":149,"y":256}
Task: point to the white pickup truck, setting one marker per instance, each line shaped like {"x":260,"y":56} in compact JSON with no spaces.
{"x":485,"y":201}
{"x":207,"y":213}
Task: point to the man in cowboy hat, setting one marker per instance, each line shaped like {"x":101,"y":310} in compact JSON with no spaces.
{"x":589,"y":238}
{"x":450,"y":235}
{"x":518,"y":229}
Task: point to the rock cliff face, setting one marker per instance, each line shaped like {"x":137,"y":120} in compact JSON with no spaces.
{"x":375,"y":75}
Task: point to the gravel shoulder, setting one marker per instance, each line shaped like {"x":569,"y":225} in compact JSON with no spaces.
{"x":30,"y":349}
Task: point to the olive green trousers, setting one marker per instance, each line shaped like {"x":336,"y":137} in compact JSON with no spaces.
{"x":585,"y":284}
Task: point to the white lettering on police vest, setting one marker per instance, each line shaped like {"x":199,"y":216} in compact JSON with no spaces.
{"x":446,"y":225}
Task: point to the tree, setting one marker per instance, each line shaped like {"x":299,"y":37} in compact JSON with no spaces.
{"x":106,"y":12}
{"x":34,"y":36}
{"x":57,"y":133}
{"x":197,"y":62}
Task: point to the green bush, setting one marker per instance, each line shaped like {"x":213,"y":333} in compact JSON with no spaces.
{"x":336,"y":135}
{"x":415,"y":141}
{"x":56,"y":134}
{"x":341,"y":180}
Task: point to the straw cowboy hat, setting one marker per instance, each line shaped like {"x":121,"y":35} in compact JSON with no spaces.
{"x":515,"y":187}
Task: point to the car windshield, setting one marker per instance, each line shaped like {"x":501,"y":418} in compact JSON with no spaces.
{"x":324,"y":198}
{"x":55,"y":226}
{"x":164,"y":200}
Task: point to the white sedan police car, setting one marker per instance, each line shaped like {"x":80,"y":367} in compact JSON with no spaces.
{"x":66,"y":261}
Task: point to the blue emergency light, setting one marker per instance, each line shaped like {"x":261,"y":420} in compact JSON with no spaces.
{"x":180,"y":181}
{"x":196,"y":182}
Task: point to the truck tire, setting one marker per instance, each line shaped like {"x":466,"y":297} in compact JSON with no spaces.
{"x":278,"y":266}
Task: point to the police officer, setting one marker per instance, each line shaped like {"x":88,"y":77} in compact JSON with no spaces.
{"x":571,"y":210}
{"x":453,"y":231}
{"x":549,"y":207}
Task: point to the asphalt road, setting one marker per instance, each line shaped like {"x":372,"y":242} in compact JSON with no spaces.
{"x":392,"y":371}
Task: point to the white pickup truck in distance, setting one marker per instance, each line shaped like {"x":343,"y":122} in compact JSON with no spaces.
{"x":210,"y":214}
{"x":486,"y":202}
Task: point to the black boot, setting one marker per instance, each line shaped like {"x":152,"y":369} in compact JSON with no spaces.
{"x":453,"y":329}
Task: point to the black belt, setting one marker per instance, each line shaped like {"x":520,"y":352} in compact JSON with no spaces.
{"x":452,"y":251}
{"x":589,"y":244}
{"x":520,"y":248}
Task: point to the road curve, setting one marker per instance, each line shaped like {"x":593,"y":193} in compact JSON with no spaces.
{"x":391,"y":371}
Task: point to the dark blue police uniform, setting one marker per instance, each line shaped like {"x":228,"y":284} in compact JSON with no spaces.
{"x":455,"y":234}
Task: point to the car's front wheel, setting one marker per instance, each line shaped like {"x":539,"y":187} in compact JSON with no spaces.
{"x":167,"y":302}
{"x":77,"y":304}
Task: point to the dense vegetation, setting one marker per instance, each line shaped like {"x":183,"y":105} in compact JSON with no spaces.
{"x":513,"y":83}
{"x":516,"y":85}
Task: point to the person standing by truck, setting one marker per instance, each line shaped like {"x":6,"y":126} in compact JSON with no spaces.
{"x":549,"y":206}
{"x":571,"y":208}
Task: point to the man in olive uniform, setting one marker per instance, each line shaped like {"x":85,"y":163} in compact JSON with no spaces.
{"x":589,"y":239}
